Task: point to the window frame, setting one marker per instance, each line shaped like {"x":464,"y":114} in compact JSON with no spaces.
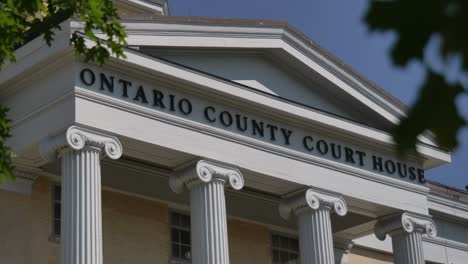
{"x":173,"y":259}
{"x":54,"y":236}
{"x":287,"y":250}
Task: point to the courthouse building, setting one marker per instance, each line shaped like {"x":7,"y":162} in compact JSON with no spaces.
{"x":214,"y":141}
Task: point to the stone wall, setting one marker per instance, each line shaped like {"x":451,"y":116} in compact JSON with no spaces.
{"x":135,"y":230}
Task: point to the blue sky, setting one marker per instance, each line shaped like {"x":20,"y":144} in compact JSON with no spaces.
{"x":337,"y":26}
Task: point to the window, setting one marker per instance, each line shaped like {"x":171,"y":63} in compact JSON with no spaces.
{"x":285,"y":250}
{"x":56,"y":211}
{"x":180,"y":236}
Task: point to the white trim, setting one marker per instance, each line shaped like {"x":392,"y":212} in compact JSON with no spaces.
{"x":446,"y":243}
{"x":448,"y":206}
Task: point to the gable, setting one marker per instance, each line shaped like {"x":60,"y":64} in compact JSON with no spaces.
{"x":273,"y":75}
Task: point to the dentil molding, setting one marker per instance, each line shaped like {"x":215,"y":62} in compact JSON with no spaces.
{"x":406,"y":222}
{"x":204,"y":171}
{"x":313,"y":199}
{"x":77,"y":138}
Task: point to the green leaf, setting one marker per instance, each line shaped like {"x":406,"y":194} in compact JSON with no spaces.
{"x":435,"y":110}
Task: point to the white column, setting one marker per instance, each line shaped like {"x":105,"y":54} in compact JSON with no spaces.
{"x":313,"y":209}
{"x":81,"y":229}
{"x":406,"y":230}
{"x":206,"y":181}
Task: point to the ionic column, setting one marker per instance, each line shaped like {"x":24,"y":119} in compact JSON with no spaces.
{"x":313,"y":209}
{"x":206,"y":181}
{"x":406,"y":230}
{"x":81,"y":229}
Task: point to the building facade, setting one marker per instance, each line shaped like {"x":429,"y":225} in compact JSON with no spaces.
{"x":214,"y":141}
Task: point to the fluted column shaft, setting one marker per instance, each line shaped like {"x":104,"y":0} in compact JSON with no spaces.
{"x":206,"y":181}
{"x":313,"y":209}
{"x":81,"y":230}
{"x":81,"y":207}
{"x":315,"y":237}
{"x":407,"y":248}
{"x":208,"y":219}
{"x":406,"y":230}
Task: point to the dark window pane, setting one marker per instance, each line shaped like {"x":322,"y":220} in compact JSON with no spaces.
{"x":175,"y":219}
{"x":57,"y":193}
{"x":185,"y":252}
{"x":276,"y":256}
{"x":283,"y":256}
{"x":185,"y":221}
{"x":176,"y":251}
{"x":57,"y":210}
{"x":294,"y":244}
{"x":175,"y":235}
{"x":185,"y":237}
{"x":284,"y":242}
{"x":275,"y":241}
{"x":57,"y":228}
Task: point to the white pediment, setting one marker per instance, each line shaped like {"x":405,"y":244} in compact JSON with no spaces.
{"x":269,"y":74}
{"x":293,"y":67}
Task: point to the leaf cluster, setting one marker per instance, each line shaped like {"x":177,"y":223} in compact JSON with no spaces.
{"x":416,"y":22}
{"x":21,"y":20}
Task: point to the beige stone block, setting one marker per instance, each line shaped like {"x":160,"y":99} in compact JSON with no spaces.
{"x":248,"y":243}
{"x":134,"y":230}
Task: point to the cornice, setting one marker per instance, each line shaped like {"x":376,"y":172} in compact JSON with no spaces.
{"x":313,"y":199}
{"x":405,"y":222}
{"x":204,"y":171}
{"x":77,"y":138}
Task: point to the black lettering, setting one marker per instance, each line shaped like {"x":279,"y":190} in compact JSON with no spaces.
{"x":361,"y":155}
{"x":185,"y":106}
{"x":287,"y":135}
{"x":307,"y":142}
{"x":257,"y":128}
{"x":109,"y":83}
{"x":226,"y":118}
{"x":412,"y":172}
{"x":90,"y":74}
{"x":421,"y":177}
{"x":239,"y":123}
{"x":390,"y":166}
{"x":273,"y":130}
{"x":158,"y":97}
{"x":377,"y":163}
{"x":125,"y":85}
{"x":207,"y":114}
{"x":402,"y":170}
{"x":336,"y":152}
{"x":172,"y":102}
{"x":322,"y":147}
{"x":140,"y":95}
{"x":349,"y":155}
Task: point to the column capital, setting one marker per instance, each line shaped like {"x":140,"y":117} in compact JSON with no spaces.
{"x":204,"y":171}
{"x":406,"y":222}
{"x":313,"y":199}
{"x":77,"y":138}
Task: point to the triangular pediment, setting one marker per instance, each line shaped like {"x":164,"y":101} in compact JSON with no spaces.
{"x":294,"y":67}
{"x":273,"y":75}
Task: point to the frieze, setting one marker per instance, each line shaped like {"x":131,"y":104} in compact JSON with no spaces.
{"x":236,"y":120}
